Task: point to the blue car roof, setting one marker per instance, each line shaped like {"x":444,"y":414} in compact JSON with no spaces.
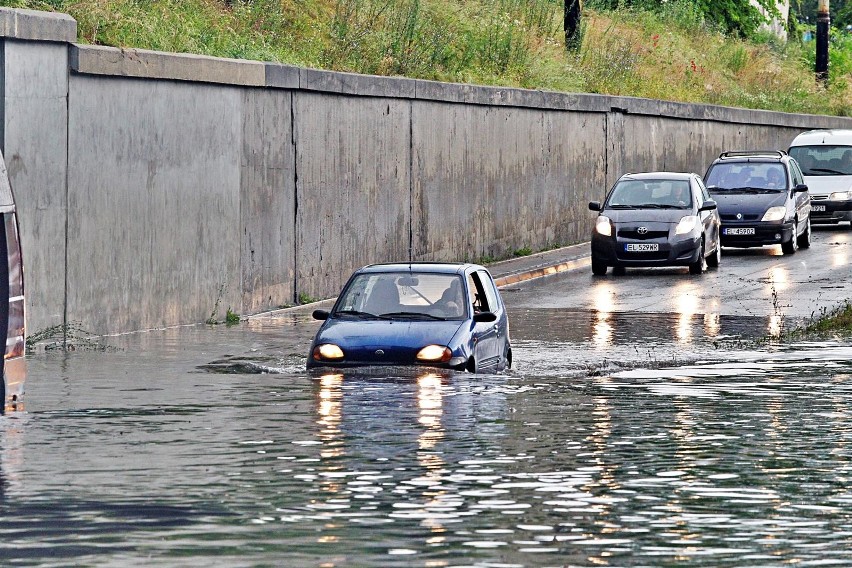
{"x":435,"y":267}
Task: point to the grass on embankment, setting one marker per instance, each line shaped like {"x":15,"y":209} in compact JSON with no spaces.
{"x":838,"y":321}
{"x":674,"y":56}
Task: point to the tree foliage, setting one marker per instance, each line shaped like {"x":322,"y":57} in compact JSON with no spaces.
{"x":739,"y":17}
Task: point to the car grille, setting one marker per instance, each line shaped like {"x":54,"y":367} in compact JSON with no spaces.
{"x":634,"y":234}
{"x":819,"y":197}
{"x":729,"y":217}
{"x":658,"y":255}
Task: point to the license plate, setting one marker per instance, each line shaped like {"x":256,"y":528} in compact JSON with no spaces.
{"x":739,"y":231}
{"x":642,"y":247}
{"x":817,"y":207}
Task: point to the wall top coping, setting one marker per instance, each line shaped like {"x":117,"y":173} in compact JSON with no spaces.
{"x":144,"y":64}
{"x":37,"y":26}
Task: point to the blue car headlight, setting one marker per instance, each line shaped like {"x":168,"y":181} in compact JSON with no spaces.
{"x":328,"y":352}
{"x":434,"y":354}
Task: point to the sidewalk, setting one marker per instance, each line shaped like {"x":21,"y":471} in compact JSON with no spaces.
{"x":540,"y":264}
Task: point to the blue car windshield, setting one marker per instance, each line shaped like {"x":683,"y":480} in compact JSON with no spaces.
{"x":650,"y":194}
{"x":404,"y":295}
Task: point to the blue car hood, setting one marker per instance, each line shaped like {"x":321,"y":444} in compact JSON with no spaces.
{"x":748,"y":203}
{"x":379,"y":334}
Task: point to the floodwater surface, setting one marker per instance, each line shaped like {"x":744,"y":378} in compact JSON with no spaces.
{"x":202,"y":446}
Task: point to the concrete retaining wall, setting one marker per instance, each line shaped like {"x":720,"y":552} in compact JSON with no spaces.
{"x":159,"y":189}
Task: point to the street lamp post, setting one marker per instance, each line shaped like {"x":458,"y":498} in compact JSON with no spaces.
{"x":822,"y":27}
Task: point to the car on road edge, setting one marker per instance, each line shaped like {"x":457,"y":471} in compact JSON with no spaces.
{"x":656,"y":219}
{"x":762,"y":199}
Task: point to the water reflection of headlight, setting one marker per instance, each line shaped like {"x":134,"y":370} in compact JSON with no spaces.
{"x":602,"y":297}
{"x":430,"y":401}
{"x":779,"y":278}
{"x":776,"y":325}
{"x":330,"y":410}
{"x":602,"y":336}
{"x":712,"y":325}
{"x":686,"y":306}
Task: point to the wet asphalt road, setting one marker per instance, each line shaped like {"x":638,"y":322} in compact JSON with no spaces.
{"x":760,"y":282}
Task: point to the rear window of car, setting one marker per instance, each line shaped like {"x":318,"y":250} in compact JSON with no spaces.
{"x":823,"y":160}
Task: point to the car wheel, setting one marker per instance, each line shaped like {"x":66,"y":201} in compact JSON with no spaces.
{"x":791,"y":246}
{"x":715,"y":259}
{"x":805,"y":238}
{"x":598,"y":267}
{"x":699,"y":265}
{"x":471,"y":365}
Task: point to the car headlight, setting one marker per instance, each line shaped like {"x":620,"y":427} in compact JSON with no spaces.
{"x":840,"y":196}
{"x":686,"y":225}
{"x":328,"y":352}
{"x":434,"y":354}
{"x":775,"y":213}
{"x":604,"y":226}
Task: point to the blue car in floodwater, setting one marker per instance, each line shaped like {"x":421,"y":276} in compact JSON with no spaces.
{"x":444,"y":315}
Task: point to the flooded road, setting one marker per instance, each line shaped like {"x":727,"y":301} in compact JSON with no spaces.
{"x":640,"y":438}
{"x":204,"y":446}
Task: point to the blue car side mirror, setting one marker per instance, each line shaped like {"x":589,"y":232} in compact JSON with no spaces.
{"x":484,"y":317}
{"x":320,"y":315}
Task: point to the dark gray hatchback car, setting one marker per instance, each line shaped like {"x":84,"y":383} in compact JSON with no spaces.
{"x":656,"y":219}
{"x":762,"y":199}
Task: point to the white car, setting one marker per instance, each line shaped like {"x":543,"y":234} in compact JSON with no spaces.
{"x":825,"y":157}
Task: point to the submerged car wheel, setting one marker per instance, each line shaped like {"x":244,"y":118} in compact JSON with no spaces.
{"x":715,"y":259}
{"x":699,"y":265}
{"x":791,"y":246}
{"x":598,"y":267}
{"x":805,"y":238}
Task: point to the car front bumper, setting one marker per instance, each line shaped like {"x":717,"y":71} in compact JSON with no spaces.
{"x":611,"y":251}
{"x":826,"y":211}
{"x":764,"y":234}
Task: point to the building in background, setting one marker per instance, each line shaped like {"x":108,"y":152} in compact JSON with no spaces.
{"x":776,"y":25}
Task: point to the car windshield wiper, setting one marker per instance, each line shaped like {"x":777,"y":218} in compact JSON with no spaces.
{"x":621,"y":206}
{"x":751,"y":189}
{"x":658,"y":206}
{"x":826,"y":170}
{"x":412,"y":315}
{"x":356,"y":313}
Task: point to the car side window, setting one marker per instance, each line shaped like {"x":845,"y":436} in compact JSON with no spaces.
{"x":705,"y":195}
{"x":798,"y":178}
{"x":486,"y":285}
